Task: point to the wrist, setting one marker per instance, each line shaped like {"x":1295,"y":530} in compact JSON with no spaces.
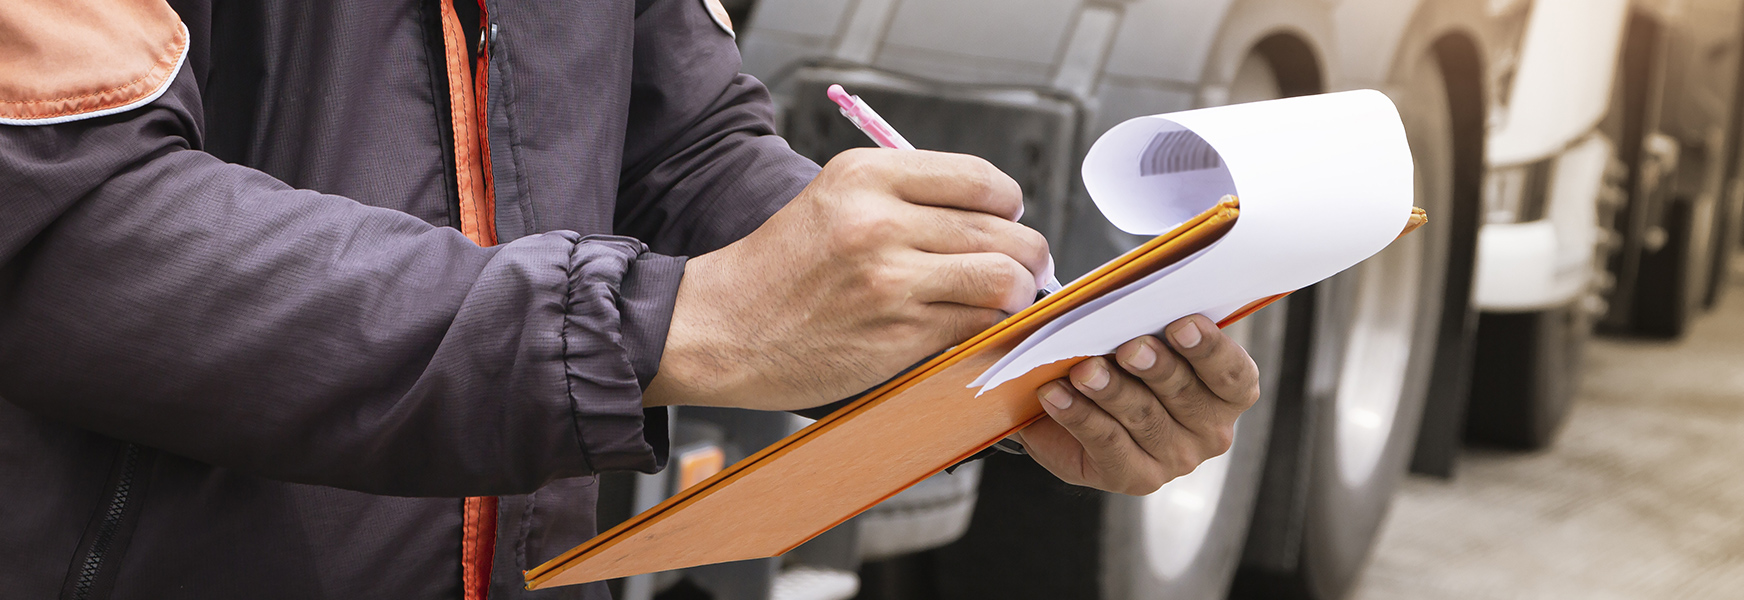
{"x":697,"y":367}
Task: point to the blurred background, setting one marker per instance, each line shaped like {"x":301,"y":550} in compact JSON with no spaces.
{"x":1439,"y":422}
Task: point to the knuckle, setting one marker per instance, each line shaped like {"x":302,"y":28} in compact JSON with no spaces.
{"x":995,"y":187}
{"x":1249,"y":396}
{"x":1243,"y":377}
{"x":1170,"y":377}
{"x":1222,"y":439}
{"x":984,"y":319}
{"x":864,"y":231}
{"x":857,"y":161}
{"x":849,"y":165}
{"x":985,"y":183}
{"x":1000,"y":284}
{"x":887,"y":282}
{"x":1151,"y":481}
{"x":1152,"y":422}
{"x":1035,"y":243}
{"x":1018,"y":280}
{"x":982,"y":233}
{"x":1107,"y":437}
{"x":971,"y":323}
{"x":1180,"y":463}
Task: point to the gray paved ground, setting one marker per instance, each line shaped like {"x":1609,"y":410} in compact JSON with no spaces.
{"x":1642,"y":496}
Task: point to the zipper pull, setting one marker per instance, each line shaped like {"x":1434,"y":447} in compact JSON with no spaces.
{"x":485,"y":36}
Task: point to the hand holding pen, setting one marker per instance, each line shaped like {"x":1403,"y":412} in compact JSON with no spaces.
{"x":867,"y":120}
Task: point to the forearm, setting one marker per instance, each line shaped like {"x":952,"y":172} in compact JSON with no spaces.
{"x":154,"y":294}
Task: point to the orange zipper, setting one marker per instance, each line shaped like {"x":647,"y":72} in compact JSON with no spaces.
{"x":467,"y":91}
{"x":467,"y":113}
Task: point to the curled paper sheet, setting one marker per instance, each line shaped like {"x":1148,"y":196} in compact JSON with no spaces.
{"x":1324,"y":182}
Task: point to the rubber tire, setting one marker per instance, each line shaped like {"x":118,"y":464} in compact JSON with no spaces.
{"x":1338,"y":524}
{"x":1663,"y":292}
{"x":1528,"y":365}
{"x":1343,"y":522}
{"x":1035,"y":538}
{"x":1726,"y":240}
{"x":1126,"y":574}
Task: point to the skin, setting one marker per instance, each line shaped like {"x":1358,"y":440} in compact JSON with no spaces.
{"x":889,"y":256}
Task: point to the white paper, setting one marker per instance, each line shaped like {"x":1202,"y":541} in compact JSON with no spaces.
{"x":1324,"y":182}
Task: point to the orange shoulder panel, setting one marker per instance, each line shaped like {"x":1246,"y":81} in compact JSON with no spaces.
{"x":62,"y":60}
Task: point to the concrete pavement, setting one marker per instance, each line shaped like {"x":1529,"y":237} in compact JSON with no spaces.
{"x":1642,"y":496}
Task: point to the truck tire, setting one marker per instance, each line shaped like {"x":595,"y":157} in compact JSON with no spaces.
{"x":1726,"y":240}
{"x":1527,"y":365}
{"x":1035,"y":538}
{"x":933,"y":513}
{"x":1663,"y":289}
{"x":1375,"y":332}
{"x":1399,"y":295}
{"x":1184,"y":541}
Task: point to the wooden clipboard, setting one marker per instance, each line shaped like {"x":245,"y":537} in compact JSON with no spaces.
{"x":893,"y":437}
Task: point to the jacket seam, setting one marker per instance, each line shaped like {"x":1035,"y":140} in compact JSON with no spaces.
{"x":510,"y":92}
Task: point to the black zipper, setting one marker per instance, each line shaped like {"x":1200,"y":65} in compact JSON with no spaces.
{"x":106,"y":538}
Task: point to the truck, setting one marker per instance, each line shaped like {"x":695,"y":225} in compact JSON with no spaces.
{"x":1612,"y":198}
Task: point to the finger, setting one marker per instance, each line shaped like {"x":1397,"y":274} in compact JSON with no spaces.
{"x":1054,"y":448}
{"x":1177,"y":387}
{"x":1220,"y":363}
{"x":1113,"y":460}
{"x":1137,"y":408}
{"x":985,"y":280}
{"x":952,"y":231}
{"x":949,"y":180}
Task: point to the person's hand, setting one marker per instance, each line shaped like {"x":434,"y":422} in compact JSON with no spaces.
{"x":1151,"y":414}
{"x":886,"y":258}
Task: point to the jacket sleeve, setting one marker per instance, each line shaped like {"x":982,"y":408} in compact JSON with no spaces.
{"x":155,"y":294}
{"x":702,"y":164}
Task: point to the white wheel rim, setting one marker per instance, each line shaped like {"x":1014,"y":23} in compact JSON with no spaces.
{"x":1377,"y":356}
{"x":1176,"y":519}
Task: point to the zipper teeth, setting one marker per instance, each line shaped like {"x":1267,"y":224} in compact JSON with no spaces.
{"x":118,"y":500}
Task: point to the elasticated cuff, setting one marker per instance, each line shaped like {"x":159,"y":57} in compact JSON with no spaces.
{"x":620,"y":305}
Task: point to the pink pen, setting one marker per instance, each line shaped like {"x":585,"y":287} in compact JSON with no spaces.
{"x":867,"y":120}
{"x":863,"y":117}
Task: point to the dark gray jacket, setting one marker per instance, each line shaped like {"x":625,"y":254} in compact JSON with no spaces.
{"x":243,"y":354}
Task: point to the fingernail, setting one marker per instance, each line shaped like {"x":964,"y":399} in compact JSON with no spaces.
{"x":1052,"y":394}
{"x":1097,"y":379}
{"x":1187,"y":335}
{"x":1143,"y":358}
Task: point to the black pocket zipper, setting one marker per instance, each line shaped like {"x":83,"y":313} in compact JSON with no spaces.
{"x":106,"y":537}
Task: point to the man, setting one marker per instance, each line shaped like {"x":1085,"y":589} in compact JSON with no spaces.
{"x":258,"y":336}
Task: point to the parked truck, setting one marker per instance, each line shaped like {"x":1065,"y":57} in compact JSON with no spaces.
{"x":1612,"y":199}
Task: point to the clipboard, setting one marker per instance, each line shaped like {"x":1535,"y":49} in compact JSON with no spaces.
{"x":900,"y":433}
